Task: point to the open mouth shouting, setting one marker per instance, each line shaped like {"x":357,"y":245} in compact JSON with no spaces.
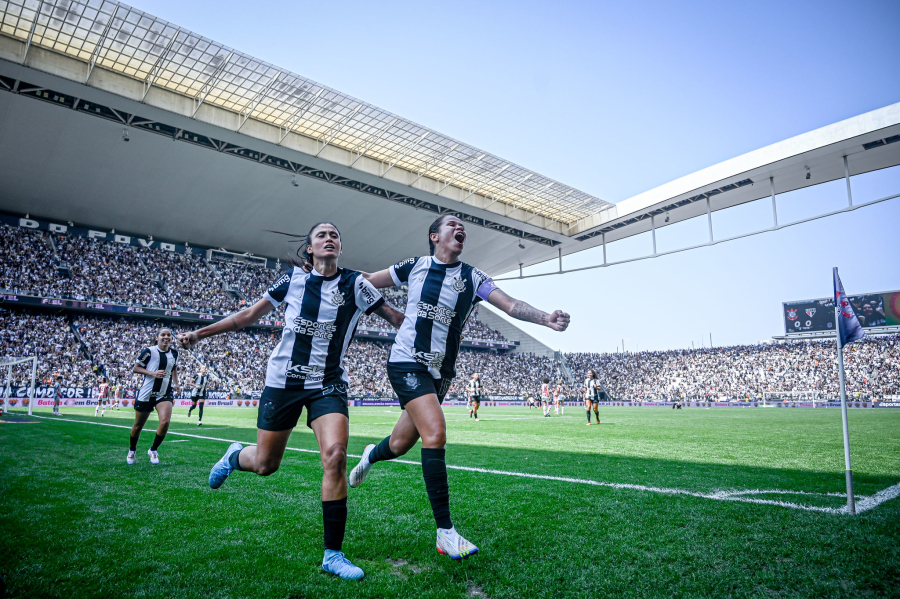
{"x":460,"y":236}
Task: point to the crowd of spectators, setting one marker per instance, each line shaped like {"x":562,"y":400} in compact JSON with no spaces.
{"x":748,"y":372}
{"x":110,"y":272}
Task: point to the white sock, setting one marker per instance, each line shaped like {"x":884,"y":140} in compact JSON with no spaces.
{"x":97,"y":409}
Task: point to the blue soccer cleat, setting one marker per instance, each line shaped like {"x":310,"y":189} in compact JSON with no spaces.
{"x":336,"y":563}
{"x":223,"y":468}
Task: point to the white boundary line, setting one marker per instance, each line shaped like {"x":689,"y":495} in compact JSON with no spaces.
{"x":863,"y":503}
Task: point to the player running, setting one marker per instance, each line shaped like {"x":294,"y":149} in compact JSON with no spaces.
{"x":593,"y":392}
{"x":442,"y":294}
{"x":545,"y":395}
{"x":474,"y":390}
{"x":306,"y":371}
{"x":102,"y":396}
{"x":158,"y":364}
{"x":198,"y":393}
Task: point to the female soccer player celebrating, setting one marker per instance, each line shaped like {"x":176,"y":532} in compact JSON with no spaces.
{"x":592,"y":391}
{"x":442,"y":293}
{"x":306,"y":370}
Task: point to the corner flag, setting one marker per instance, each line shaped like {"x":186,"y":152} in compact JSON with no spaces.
{"x":848,"y":331}
{"x":848,"y":327}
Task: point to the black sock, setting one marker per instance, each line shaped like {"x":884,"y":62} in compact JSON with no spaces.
{"x":382,"y":451}
{"x":234,"y":460}
{"x":589,"y":415}
{"x":597,"y":414}
{"x":434,"y":471}
{"x":134,"y":440}
{"x":334,"y":521}
{"x":191,"y":409}
{"x":157,"y":441}
{"x":201,"y":411}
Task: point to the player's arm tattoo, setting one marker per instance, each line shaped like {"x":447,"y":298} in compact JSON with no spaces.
{"x":523,"y":311}
{"x":393,"y":316}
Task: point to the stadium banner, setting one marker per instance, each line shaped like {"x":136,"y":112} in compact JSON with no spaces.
{"x":38,"y":224}
{"x":813,"y":316}
{"x":123,"y":310}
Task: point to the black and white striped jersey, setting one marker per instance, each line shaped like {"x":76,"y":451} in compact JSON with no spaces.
{"x":593,"y":387}
{"x":441,"y":298}
{"x":201,"y":381}
{"x":153,"y":359}
{"x":320,"y":319}
{"x":476,"y":388}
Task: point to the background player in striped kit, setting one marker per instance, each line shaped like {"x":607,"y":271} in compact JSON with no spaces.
{"x":158,"y":365}
{"x":198,"y":394}
{"x":592,"y":391}
{"x":474,"y":390}
{"x":306,"y":371}
{"x":442,"y":294}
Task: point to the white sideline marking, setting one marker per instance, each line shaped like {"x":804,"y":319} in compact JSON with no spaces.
{"x":863,"y":503}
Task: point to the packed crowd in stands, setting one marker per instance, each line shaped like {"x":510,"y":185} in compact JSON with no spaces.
{"x":239,"y":360}
{"x":872,"y":369}
{"x":110,"y":272}
{"x":64,"y":266}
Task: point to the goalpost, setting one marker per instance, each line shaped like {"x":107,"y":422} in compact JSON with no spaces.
{"x":8,"y":363}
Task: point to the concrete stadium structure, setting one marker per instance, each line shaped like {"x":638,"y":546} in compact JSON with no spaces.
{"x":261,"y":148}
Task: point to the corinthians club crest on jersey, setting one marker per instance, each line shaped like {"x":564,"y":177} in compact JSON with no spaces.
{"x":411,"y":380}
{"x":459,"y":284}
{"x":337,"y":298}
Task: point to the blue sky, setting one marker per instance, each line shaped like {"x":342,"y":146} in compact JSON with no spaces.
{"x":615,"y":99}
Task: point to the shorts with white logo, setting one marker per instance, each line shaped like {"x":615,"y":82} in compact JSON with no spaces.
{"x":412,"y":380}
{"x":280,"y":409}
{"x":150,"y":403}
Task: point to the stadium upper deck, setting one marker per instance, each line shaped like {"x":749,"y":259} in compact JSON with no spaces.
{"x":106,"y":59}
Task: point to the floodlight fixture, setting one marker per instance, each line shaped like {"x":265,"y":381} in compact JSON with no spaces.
{"x":808,"y":174}
{"x":125,"y":136}
{"x":294,"y":181}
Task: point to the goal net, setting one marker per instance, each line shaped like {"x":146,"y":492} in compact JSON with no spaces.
{"x":19,"y":376}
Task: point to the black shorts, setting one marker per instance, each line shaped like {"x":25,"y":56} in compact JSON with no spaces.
{"x":149,"y":404}
{"x":411,"y":380}
{"x":197,"y":398}
{"x":280,"y":409}
{"x":476,"y":399}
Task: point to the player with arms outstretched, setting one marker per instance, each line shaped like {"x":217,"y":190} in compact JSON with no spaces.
{"x":158,"y":365}
{"x":442,"y":294}
{"x":306,"y":370}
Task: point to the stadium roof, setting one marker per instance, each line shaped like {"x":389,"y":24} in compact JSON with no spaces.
{"x":162,"y":55}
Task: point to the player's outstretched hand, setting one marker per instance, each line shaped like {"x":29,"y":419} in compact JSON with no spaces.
{"x":187,"y":340}
{"x":558,"y":321}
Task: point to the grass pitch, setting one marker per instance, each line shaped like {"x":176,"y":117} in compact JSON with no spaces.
{"x":78,"y":522}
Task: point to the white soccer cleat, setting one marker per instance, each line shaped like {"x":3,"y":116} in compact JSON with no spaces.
{"x":129,"y":459}
{"x":199,"y":423}
{"x":449,"y":542}
{"x":358,"y":474}
{"x":154,"y":457}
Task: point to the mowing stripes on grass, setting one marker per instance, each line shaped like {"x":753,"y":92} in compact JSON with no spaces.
{"x":864,"y":503}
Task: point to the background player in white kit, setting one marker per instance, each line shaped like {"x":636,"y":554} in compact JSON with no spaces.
{"x":158,"y":365}
{"x":102,"y":396}
{"x":545,"y":395}
{"x":558,"y":398}
{"x":442,"y":294}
